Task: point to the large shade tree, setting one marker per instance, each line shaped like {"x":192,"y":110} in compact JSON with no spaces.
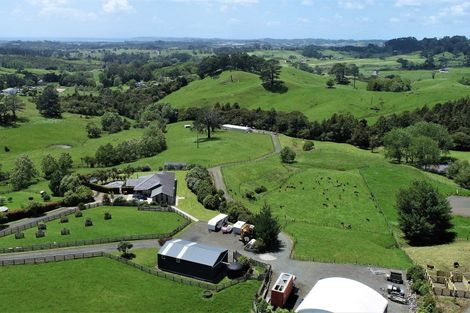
{"x":207,"y":120}
{"x":48,"y":103}
{"x":424,"y":214}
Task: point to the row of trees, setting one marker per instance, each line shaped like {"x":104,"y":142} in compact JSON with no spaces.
{"x":389,"y":83}
{"x":420,"y":144}
{"x":200,"y":183}
{"x":150,"y":144}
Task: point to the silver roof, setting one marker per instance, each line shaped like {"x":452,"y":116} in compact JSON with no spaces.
{"x":192,"y":251}
{"x":163,"y":181}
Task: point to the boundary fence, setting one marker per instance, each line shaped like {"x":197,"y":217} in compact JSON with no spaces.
{"x":95,"y":241}
{"x":153,"y":271}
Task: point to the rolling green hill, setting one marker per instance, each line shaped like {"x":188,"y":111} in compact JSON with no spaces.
{"x":307,"y":93}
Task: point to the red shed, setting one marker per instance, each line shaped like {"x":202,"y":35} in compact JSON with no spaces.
{"x":282,"y":289}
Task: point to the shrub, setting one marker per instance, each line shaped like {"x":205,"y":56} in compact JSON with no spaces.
{"x":250,"y":195}
{"x":88,"y":222}
{"x":45,"y":197}
{"x":40,"y":233}
{"x":81,"y":206}
{"x":244,"y":261}
{"x":260,"y":189}
{"x":78,"y":214}
{"x":64,"y":219}
{"x":82,"y":194}
{"x":107,"y":216}
{"x":42,"y":226}
{"x":308,"y":146}
{"x":106,"y":199}
{"x":120,"y":201}
{"x":415,"y":273}
{"x":65,"y":232}
{"x":19,"y":235}
{"x":287,"y":155}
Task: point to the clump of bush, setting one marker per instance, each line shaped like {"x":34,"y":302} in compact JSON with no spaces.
{"x":200,"y":183}
{"x":78,"y":213}
{"x":42,"y":226}
{"x":19,"y":235}
{"x":40,"y":233}
{"x":260,"y":189}
{"x":82,"y":194}
{"x":308,"y":146}
{"x":65,"y":231}
{"x":236,"y":211}
{"x":390,"y":83}
{"x":88,"y":222}
{"x":81,"y":206}
{"x":107,"y":216}
{"x":287,"y":155}
{"x":250,"y":195}
{"x":106,"y":199}
{"x":64,"y":219}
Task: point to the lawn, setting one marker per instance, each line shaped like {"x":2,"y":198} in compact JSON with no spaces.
{"x":307,"y":93}
{"x":17,"y":199}
{"x":125,"y":221}
{"x":330,"y":188}
{"x":104,"y":285}
{"x":190,"y":204}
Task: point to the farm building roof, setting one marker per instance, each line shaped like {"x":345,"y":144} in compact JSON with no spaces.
{"x":163,"y":181}
{"x":192,"y":251}
{"x":339,"y":295}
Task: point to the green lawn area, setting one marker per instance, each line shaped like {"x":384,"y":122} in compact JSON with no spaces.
{"x":330,"y":187}
{"x":307,"y":93}
{"x":125,"y":221}
{"x":109,"y":286}
{"x":21,"y":198}
{"x":461,"y":155}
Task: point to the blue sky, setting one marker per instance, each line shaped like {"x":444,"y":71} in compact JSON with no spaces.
{"x":237,"y":19}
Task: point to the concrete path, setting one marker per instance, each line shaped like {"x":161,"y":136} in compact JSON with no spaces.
{"x":460,"y":206}
{"x":216,"y":171}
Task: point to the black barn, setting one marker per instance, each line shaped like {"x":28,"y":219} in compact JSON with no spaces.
{"x":193,"y":259}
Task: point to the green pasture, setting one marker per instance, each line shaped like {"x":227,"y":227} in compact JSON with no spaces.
{"x":307,"y":93}
{"x":125,"y":221}
{"x":109,"y":286}
{"x":330,"y":188}
{"x":18,"y":199}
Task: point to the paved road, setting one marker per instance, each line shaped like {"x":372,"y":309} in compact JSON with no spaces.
{"x":307,"y":273}
{"x":216,"y":171}
{"x":460,"y":206}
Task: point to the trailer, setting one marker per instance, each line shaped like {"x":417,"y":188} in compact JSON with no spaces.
{"x":395,"y":277}
{"x":216,"y":223}
{"x":282,"y":289}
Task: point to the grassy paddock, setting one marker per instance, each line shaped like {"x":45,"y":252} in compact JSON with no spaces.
{"x":125,"y":221}
{"x":307,"y":93}
{"x":121,"y":288}
{"x":330,"y":185}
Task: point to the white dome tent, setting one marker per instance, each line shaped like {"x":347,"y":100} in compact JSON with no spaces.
{"x":342,"y":295}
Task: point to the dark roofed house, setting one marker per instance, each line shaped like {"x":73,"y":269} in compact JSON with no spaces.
{"x":193,"y":259}
{"x":161,"y":187}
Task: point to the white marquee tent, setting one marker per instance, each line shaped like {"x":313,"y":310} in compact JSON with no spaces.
{"x":341,"y":295}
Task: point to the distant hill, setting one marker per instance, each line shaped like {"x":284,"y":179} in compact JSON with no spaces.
{"x":307,"y":93}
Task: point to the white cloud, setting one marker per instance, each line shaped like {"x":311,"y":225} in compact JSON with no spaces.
{"x":355,"y":4}
{"x":394,"y":19}
{"x":273,"y":23}
{"x":307,"y":2}
{"x":111,"y":6}
{"x":61,"y":9}
{"x":408,"y":3}
{"x":303,"y":20}
{"x":220,"y":1}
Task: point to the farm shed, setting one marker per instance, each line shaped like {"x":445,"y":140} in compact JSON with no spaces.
{"x":237,"y":128}
{"x":282,"y":289}
{"x":237,"y":227}
{"x":193,"y":259}
{"x":217,"y":222}
{"x":338,"y":295}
